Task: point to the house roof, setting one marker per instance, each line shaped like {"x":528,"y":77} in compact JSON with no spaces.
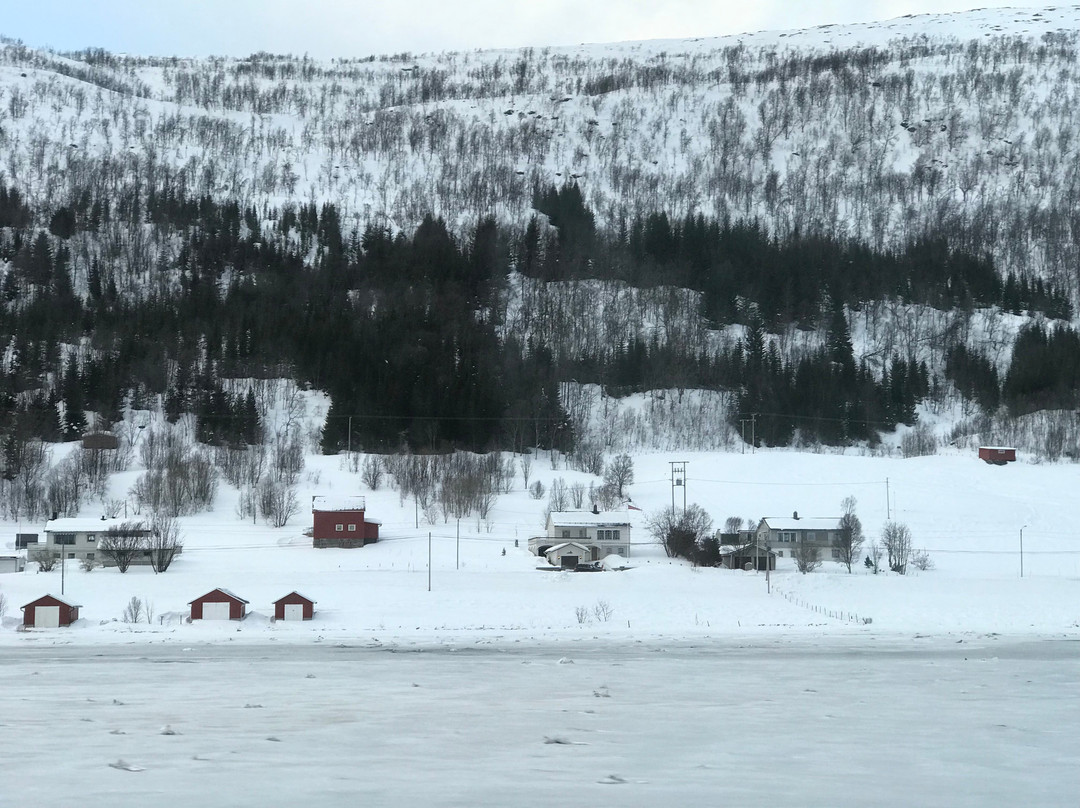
{"x":338,"y":503}
{"x":298,"y":594}
{"x":85,"y":524}
{"x":588,"y":518}
{"x":557,"y":547}
{"x":803,"y":522}
{"x":744,"y":549}
{"x":53,"y":597}
{"x":223,"y":591}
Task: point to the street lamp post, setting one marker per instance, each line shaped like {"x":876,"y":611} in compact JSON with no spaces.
{"x":1022,"y":551}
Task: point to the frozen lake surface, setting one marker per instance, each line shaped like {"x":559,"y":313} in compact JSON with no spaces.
{"x":800,"y":721}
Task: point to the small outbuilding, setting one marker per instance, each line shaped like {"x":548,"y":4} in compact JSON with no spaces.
{"x":219,"y":604}
{"x":340,"y":522}
{"x":997,"y":455}
{"x":568,"y":555}
{"x":294,"y":606}
{"x":747,"y":557}
{"x":12,"y":563}
{"x":49,"y":611}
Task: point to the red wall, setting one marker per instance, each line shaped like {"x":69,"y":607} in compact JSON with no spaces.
{"x":279,"y":607}
{"x":237,"y":610}
{"x":68,"y":614}
{"x":325,"y":526}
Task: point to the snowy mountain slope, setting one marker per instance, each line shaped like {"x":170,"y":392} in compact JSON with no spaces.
{"x":879,"y":131}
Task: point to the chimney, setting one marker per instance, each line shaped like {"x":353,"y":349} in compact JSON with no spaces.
{"x":595,"y":509}
{"x":795,"y":515}
{"x":55,"y":515}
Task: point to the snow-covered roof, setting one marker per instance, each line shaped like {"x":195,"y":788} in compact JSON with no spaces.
{"x":747,"y":549}
{"x":338,"y":503}
{"x":558,"y":547}
{"x":54,"y":597}
{"x":588,"y":518}
{"x":803,"y":522}
{"x":85,"y":524}
{"x":298,"y":594}
{"x":224,"y":591}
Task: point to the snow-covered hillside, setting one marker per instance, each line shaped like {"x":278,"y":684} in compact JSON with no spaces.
{"x":959,"y":121}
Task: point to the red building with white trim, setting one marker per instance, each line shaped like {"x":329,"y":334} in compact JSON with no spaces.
{"x":340,"y":522}
{"x":49,"y":611}
{"x":219,"y":604}
{"x":294,"y":606}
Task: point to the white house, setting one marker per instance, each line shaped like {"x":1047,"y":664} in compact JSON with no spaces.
{"x":602,"y":533}
{"x":785,"y":533}
{"x":79,"y":538}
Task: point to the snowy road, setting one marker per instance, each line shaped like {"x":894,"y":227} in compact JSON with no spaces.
{"x":853,"y":721}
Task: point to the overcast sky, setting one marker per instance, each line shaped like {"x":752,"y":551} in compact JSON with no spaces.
{"x":349,"y":28}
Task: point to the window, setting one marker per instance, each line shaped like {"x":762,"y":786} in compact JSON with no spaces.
{"x":566,"y":534}
{"x":352,"y":528}
{"x":90,"y":556}
{"x":339,"y":528}
{"x":607,"y":535}
{"x":836,"y":552}
{"x":65,"y":538}
{"x":91,"y":538}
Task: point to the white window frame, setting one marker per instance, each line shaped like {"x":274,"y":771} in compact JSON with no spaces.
{"x":352,"y":528}
{"x":340,"y":528}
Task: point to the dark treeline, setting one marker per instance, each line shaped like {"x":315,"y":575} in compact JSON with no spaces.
{"x":402,"y":331}
{"x":789,"y":280}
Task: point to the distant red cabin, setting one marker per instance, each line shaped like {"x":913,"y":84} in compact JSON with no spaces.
{"x":49,"y":612}
{"x":340,"y":522}
{"x":294,"y":606}
{"x":998,"y":455}
{"x":219,"y":604}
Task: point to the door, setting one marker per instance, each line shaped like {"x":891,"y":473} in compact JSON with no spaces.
{"x":294,"y":611}
{"x":216,"y":610}
{"x":47,"y":617}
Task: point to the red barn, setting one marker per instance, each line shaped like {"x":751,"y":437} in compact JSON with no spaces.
{"x":294,"y":606}
{"x":219,"y":604}
{"x":998,"y":455}
{"x":49,"y":612}
{"x":340,"y":522}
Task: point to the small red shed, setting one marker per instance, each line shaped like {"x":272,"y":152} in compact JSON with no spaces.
{"x":219,"y":604}
{"x":340,"y":522}
{"x":294,"y":606}
{"x":998,"y":455}
{"x":49,"y":611}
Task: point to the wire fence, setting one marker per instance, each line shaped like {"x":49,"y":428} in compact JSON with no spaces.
{"x":835,"y":614}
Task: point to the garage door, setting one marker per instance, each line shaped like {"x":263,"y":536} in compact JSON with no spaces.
{"x":216,"y":611}
{"x":47,"y":617}
{"x":294,"y":611}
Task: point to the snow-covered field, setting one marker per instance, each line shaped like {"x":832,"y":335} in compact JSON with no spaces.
{"x":966,"y":514}
{"x":703,"y":685}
